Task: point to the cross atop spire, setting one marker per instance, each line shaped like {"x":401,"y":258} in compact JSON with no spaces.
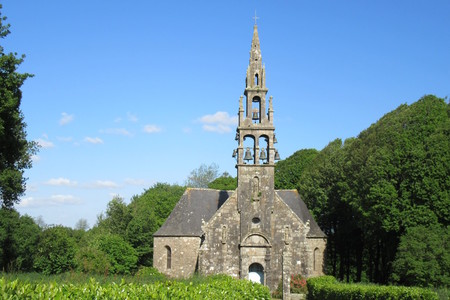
{"x":255,"y":17}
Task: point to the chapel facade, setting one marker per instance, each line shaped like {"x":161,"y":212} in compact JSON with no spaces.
{"x":254,"y":232}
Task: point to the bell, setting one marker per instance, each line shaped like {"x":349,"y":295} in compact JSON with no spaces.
{"x":263,"y":155}
{"x":277,"y":155}
{"x":237,"y":136}
{"x":248,"y":154}
{"x":234,"y":153}
{"x":274,"y":139}
{"x":255,"y":115}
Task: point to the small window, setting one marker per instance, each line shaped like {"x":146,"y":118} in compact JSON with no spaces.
{"x":315,"y":258}
{"x":256,"y":79}
{"x":256,"y":220}
{"x":169,"y":257}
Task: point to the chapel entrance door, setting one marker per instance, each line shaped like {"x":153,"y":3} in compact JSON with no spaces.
{"x":256,"y":273}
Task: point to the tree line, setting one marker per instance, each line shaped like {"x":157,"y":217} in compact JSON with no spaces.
{"x":120,"y":241}
{"x":382,"y":197}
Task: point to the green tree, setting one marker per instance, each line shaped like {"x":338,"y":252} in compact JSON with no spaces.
{"x":25,"y":237}
{"x":423,"y":257}
{"x":225,"y":183}
{"x":18,"y":239}
{"x":55,"y":251}
{"x":121,"y":255}
{"x":289,"y":170}
{"x":116,"y":218}
{"x":202,"y":176}
{"x":149,"y":211}
{"x":92,"y":260}
{"x":15,"y":150}
{"x":367,"y":192}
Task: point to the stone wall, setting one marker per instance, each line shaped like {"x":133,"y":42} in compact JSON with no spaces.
{"x":219,"y":252}
{"x":317,"y":246}
{"x":183,"y":255}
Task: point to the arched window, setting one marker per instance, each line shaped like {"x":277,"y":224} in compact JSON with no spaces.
{"x":263,"y":149}
{"x":315,"y":258}
{"x":256,"y":79}
{"x":256,"y":109}
{"x":249,"y":149}
{"x":169,"y":257}
{"x":256,"y":273}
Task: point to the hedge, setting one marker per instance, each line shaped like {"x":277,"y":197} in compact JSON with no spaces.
{"x":327,"y":287}
{"x":217,"y":287}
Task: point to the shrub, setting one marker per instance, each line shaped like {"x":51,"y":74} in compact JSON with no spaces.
{"x":55,"y":251}
{"x":298,"y":285}
{"x":327,"y":287}
{"x":91,"y":260}
{"x":122,"y":257}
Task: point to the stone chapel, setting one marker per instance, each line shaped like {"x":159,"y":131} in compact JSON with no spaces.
{"x":254,"y":232}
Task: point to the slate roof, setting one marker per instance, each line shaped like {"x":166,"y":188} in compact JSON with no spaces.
{"x":293,"y":200}
{"x":194,"y":206}
{"x":200,"y":204}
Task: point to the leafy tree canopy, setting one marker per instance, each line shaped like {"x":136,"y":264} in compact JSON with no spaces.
{"x":202,"y":176}
{"x":289,"y":170}
{"x":55,"y":251}
{"x":368,"y":191}
{"x":225,"y":183}
{"x":423,"y":257}
{"x":18,"y":238}
{"x":15,"y":150}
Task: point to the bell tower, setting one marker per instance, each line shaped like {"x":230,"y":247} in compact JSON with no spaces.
{"x":256,"y":153}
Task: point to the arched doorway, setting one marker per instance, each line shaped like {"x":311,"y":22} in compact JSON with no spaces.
{"x":256,"y":273}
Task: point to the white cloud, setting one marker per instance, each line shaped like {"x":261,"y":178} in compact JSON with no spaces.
{"x":64,"y":199}
{"x":219,"y":122}
{"x":61,"y":182}
{"x":151,"y":128}
{"x":138,"y":182}
{"x":100,"y":184}
{"x":35,"y":158}
{"x":53,"y":200}
{"x":117,"y":131}
{"x":66,"y":139}
{"x":27,"y":202}
{"x":132,"y":117}
{"x":45,"y":144}
{"x":92,"y":140}
{"x":65,"y":119}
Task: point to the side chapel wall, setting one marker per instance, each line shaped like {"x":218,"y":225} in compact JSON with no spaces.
{"x":183,"y":252}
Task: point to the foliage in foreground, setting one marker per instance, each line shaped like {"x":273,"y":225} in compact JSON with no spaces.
{"x":297,"y":286}
{"x":216,"y":287}
{"x":327,"y":287}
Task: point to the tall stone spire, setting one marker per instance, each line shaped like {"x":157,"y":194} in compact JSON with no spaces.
{"x":256,"y":153}
{"x":255,"y":52}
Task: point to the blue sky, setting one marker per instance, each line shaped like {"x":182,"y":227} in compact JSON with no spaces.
{"x":127,"y":94}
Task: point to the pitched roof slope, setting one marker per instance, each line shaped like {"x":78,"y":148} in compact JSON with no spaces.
{"x":200,"y":204}
{"x":194,"y":206}
{"x":293,"y":200}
